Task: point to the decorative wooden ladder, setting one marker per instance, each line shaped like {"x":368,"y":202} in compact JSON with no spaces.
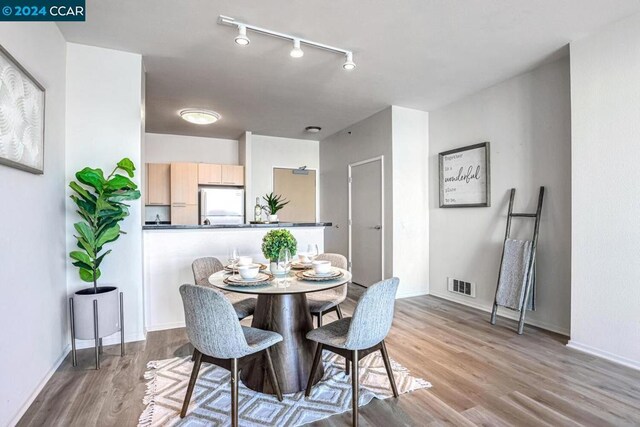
{"x":530,"y":274}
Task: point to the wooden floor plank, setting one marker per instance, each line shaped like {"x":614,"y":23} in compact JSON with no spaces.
{"x":481,"y":374}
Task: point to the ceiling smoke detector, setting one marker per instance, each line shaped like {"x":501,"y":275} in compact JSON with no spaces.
{"x":312,"y":129}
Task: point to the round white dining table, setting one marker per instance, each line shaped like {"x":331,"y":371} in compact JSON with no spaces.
{"x":282,"y":308}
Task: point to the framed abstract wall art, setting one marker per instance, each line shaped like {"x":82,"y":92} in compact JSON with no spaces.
{"x":21,"y":117}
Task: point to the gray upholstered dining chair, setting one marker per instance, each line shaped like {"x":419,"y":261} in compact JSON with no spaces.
{"x":324,"y":302}
{"x":202,"y":268}
{"x":356,"y":337}
{"x":215,"y":331}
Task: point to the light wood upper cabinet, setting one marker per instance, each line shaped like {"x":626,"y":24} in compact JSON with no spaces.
{"x":158,"y":184}
{"x":184,"y":183}
{"x":232,"y":175}
{"x":209,"y":174}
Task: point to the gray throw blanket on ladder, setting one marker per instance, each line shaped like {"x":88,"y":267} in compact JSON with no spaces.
{"x":513,"y":275}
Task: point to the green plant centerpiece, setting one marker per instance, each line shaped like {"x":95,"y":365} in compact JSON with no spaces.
{"x":274,"y":204}
{"x":101,"y":205}
{"x":273,"y":242}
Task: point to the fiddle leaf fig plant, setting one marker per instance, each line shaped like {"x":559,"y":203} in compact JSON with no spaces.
{"x":101,"y":205}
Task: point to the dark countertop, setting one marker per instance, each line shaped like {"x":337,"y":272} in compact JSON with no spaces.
{"x":210,"y":227}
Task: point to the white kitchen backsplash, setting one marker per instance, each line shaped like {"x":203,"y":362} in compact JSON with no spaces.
{"x":150,"y":213}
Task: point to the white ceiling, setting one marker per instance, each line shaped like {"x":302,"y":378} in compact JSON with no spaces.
{"x":419,"y":54}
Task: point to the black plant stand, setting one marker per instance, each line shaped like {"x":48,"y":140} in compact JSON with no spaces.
{"x":98,"y":340}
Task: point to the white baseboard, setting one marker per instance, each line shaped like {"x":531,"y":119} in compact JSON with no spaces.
{"x":634,"y":364}
{"x":165,"y":326}
{"x":411,"y":294}
{"x":112,"y":339}
{"x":40,"y":386}
{"x":513,"y":316}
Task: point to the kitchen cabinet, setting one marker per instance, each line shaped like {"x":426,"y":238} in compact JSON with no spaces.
{"x":158,"y":184}
{"x":232,"y":175}
{"x":184,"y":214}
{"x":209,"y":174}
{"x":184,"y":193}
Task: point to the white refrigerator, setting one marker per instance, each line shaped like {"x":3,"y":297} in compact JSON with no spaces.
{"x":222,"y":206}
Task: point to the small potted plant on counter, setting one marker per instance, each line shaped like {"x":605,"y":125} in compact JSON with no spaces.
{"x":273,"y":242}
{"x":274,"y":204}
{"x":101,"y":205}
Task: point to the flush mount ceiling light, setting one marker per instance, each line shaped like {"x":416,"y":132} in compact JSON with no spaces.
{"x":199,"y":117}
{"x":296,"y":52}
{"x":312,"y":129}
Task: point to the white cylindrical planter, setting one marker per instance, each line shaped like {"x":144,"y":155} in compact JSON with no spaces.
{"x":276,"y":269}
{"x":273,"y":218}
{"x":108,"y":312}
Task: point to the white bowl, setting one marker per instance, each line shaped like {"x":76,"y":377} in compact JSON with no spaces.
{"x":321,"y":267}
{"x":304,"y":258}
{"x":244,"y":260}
{"x":249,"y":272}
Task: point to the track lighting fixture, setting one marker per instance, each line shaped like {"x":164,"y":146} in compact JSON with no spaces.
{"x":242,"y":38}
{"x":296,"y":52}
{"x":348,"y":63}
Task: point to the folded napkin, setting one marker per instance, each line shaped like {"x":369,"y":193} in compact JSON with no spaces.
{"x":513,"y":275}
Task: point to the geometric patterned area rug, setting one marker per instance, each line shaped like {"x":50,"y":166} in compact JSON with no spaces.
{"x":211,"y":401}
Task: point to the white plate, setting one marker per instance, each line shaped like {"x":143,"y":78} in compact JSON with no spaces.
{"x":261,"y":277}
{"x":297,"y":265}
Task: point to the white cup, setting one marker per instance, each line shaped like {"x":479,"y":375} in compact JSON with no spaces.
{"x":304,"y":258}
{"x":321,"y":267}
{"x":248,"y":272}
{"x":244,"y":260}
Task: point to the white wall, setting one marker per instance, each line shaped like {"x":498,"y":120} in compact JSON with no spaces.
{"x":32,"y":235}
{"x":366,"y":139}
{"x":268,"y":152}
{"x":162,"y":148}
{"x":410,"y":136}
{"x":527,"y":121}
{"x":244,"y":158}
{"x":605,"y":293}
{"x":169,"y":254}
{"x":99,"y":134}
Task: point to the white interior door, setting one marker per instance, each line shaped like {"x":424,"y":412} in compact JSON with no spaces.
{"x":366,"y":218}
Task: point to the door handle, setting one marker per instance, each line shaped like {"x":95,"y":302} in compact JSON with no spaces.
{"x":377,"y":227}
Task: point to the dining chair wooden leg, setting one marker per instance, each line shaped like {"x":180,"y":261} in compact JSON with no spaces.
{"x":193,"y":356}
{"x":234,"y":392}
{"x":347,"y":366}
{"x":192,"y":382}
{"x":355,"y":386}
{"x":272,"y":374}
{"x":387,"y":365}
{"x":314,"y":369}
{"x":320,"y":319}
{"x":339,"y":311}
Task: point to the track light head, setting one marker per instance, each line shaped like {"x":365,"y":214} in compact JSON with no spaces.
{"x":242,"y":38}
{"x":348,"y":63}
{"x":296,"y":52}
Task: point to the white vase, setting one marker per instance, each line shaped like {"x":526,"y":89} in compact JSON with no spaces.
{"x":108,"y":312}
{"x":275,"y":269}
{"x":273,"y":218}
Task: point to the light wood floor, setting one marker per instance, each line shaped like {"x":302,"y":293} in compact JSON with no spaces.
{"x":481,"y":375}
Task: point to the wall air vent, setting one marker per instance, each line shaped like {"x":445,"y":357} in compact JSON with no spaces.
{"x":461,"y":287}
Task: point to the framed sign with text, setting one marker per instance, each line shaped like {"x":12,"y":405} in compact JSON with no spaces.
{"x":465,"y":177}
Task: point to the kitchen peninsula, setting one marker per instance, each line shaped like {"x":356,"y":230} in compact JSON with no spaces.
{"x":169,"y":251}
